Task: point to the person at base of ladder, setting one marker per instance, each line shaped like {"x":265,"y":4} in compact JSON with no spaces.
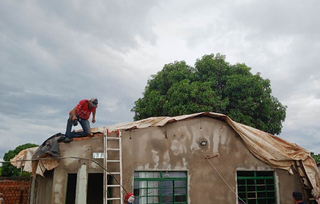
{"x":81,"y":113}
{"x":297,"y":197}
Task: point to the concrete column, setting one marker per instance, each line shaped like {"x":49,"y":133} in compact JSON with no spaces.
{"x":59,"y":186}
{"x":82,"y":182}
{"x":33,"y":190}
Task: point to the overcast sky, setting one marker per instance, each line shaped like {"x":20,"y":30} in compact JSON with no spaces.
{"x":55,"y":53}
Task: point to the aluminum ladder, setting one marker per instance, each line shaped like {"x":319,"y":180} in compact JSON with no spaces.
{"x":113,"y":191}
{"x":305,"y":182}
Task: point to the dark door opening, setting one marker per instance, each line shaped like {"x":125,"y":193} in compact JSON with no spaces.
{"x":71,"y":189}
{"x":95,"y":189}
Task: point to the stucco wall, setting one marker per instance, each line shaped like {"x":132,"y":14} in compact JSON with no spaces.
{"x":41,"y":188}
{"x":176,"y":147}
{"x":78,"y":149}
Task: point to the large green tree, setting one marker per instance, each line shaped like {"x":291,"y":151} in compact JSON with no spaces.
{"x":212,"y":85}
{"x":10,"y":170}
{"x":316,"y":157}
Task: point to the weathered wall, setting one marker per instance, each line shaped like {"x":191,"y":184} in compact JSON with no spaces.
{"x":41,"y":186}
{"x":14,"y":191}
{"x":80,"y":149}
{"x":176,"y":147}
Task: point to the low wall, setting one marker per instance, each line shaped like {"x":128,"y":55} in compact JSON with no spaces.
{"x":15,"y":189}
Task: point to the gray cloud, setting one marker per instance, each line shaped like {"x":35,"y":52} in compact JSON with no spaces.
{"x":114,"y":23}
{"x":55,"y":53}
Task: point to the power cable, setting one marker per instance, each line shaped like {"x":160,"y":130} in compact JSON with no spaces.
{"x":222,"y":177}
{"x":38,"y":159}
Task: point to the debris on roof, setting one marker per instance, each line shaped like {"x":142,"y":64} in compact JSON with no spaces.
{"x":268,"y":148}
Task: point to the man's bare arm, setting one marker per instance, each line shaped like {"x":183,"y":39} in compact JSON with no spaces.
{"x":73,"y":113}
{"x":94,"y":116}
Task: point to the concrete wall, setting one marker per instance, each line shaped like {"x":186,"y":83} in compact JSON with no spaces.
{"x":41,"y":188}
{"x":78,"y":149}
{"x":175,"y":147}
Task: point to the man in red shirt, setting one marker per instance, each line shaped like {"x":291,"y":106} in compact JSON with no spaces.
{"x":81,"y":113}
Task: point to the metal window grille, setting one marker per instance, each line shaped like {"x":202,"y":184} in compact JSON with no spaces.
{"x":256,"y":187}
{"x":160,"y":187}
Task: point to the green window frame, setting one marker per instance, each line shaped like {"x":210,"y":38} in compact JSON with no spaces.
{"x":256,"y":187}
{"x":160,"y":187}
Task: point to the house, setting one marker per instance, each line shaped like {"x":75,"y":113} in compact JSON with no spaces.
{"x":197,"y":158}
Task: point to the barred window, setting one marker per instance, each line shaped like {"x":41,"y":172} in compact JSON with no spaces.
{"x":256,"y":187}
{"x":160,"y":187}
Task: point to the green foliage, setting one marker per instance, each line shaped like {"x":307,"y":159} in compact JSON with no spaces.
{"x":213,"y":85}
{"x":316,"y":157}
{"x":10,"y":170}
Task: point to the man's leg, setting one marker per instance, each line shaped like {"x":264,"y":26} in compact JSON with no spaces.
{"x":68,"y":130}
{"x":85,"y":129}
{"x":69,"y":126}
{"x":85,"y":124}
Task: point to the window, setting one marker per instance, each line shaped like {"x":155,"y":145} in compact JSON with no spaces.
{"x":160,"y":187}
{"x":256,"y":187}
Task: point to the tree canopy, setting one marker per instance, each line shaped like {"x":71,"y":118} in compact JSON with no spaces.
{"x":212,"y":85}
{"x":316,"y":157}
{"x":10,"y":170}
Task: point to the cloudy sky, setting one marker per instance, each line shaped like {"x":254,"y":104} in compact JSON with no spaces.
{"x":55,"y":53}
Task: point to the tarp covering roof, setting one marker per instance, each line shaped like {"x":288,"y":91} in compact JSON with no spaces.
{"x":29,"y":158}
{"x":24,"y":159}
{"x":268,"y":148}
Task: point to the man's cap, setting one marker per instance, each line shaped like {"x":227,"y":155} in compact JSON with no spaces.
{"x":94,"y":102}
{"x":297,"y":195}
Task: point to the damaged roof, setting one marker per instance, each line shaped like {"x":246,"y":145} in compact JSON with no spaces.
{"x":159,"y":121}
{"x":270,"y":149}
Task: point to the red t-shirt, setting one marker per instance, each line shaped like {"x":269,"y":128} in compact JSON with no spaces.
{"x":83,"y":109}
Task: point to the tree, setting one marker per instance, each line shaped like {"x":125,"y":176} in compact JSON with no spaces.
{"x":316,"y":157}
{"x":213,"y":85}
{"x":10,"y":170}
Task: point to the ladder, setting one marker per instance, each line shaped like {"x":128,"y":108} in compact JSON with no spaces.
{"x":305,"y":182}
{"x":113,"y":191}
